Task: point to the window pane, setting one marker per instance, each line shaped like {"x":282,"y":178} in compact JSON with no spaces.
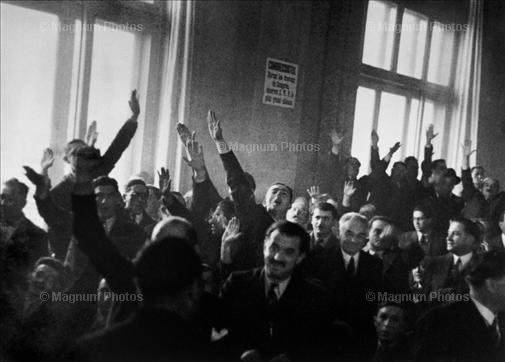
{"x":379,"y":34}
{"x":412,"y":44}
{"x":434,"y":113}
{"x":363,"y":120}
{"x":391,"y":122}
{"x":441,"y":54}
{"x":411,"y":145}
{"x":29,"y":41}
{"x":115,"y":68}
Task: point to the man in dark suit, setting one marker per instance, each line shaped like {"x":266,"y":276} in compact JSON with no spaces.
{"x":324,"y":219}
{"x":349,"y":273}
{"x":396,"y":263}
{"x":446,"y":273}
{"x":126,"y":235}
{"x":273,"y":309}
{"x":472,"y":329}
{"x":135,"y":198}
{"x":432,"y":242}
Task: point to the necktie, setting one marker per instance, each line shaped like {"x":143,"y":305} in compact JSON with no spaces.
{"x":424,"y":240}
{"x":495,"y":332}
{"x":271,"y":295}
{"x":351,"y":268}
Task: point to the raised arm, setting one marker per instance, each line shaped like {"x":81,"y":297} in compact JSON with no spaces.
{"x":122,"y":139}
{"x":242,"y":194}
{"x":428,"y":154}
{"x":469,"y":189}
{"x":90,"y":235}
{"x":205,"y":195}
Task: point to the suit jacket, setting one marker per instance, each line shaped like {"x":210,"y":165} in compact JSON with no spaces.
{"x":444,"y":210}
{"x":349,"y":296}
{"x":397,"y":265}
{"x":331,"y":242}
{"x":436,"y":274}
{"x":127,"y":236}
{"x":254,"y":218}
{"x":151,"y":334}
{"x":456,"y":332}
{"x":297,"y":325}
{"x":436,"y":244}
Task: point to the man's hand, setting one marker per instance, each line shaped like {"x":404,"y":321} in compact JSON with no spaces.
{"x":395,"y":148}
{"x":164,"y":182}
{"x":336,"y":140}
{"x":375,"y":139}
{"x":134,"y":105}
{"x":313,"y":192}
{"x":349,"y":188}
{"x":47,"y":161}
{"x":230,"y":236}
{"x":467,"y":148}
{"x":194,"y":152}
{"x":91,"y":135}
{"x":215,"y":130}
{"x":430,"y":135}
{"x":184,"y":133}
{"x":41,"y":181}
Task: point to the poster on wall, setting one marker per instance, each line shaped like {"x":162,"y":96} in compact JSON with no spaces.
{"x":280,"y":83}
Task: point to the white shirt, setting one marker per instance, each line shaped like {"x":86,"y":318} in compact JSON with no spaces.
{"x":484,"y":311}
{"x":464,"y":259}
{"x":347,"y":259}
{"x":503,"y":239}
{"x":108,"y":224}
{"x":138,"y":218}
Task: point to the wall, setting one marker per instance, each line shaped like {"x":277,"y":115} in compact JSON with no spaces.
{"x":491,"y":133}
{"x":232,"y":41}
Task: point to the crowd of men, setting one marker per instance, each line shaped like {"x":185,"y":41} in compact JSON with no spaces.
{"x":386,"y":267}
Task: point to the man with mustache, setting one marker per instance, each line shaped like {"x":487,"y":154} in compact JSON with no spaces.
{"x":273,"y":310}
{"x":324,"y":219}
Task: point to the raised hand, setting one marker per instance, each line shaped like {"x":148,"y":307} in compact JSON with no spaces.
{"x":91,"y":134}
{"x":375,"y":138}
{"x":336,"y":137}
{"x":467,"y":148}
{"x":215,"y":130}
{"x":184,"y":133}
{"x":232,"y":231}
{"x":430,"y":134}
{"x":134,"y":104}
{"x":395,"y":148}
{"x":313,"y":192}
{"x":164,"y":182}
{"x":41,"y":181}
{"x":349,"y":188}
{"x":47,"y":161}
{"x":194,"y":152}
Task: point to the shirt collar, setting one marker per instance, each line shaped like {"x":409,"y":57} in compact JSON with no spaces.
{"x":280,"y":289}
{"x":347,"y":258}
{"x":464,"y":259}
{"x":484,"y":311}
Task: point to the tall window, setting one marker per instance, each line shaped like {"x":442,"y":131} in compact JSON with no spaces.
{"x":65,"y":64}
{"x":406,"y":81}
